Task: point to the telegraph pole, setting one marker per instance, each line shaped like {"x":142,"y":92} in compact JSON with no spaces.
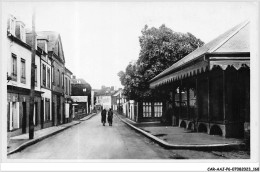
{"x":31,"y":113}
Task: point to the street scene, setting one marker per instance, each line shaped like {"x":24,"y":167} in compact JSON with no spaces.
{"x":148,"y":81}
{"x":91,"y":140}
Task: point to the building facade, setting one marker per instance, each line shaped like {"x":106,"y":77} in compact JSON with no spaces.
{"x":67,"y":93}
{"x":19,"y":79}
{"x":52,"y":79}
{"x":81,"y":95}
{"x":55,"y":52}
{"x":46,"y":85}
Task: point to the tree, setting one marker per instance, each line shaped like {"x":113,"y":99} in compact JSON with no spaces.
{"x":160,"y":48}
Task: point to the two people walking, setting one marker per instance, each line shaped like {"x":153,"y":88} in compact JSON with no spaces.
{"x":109,"y":117}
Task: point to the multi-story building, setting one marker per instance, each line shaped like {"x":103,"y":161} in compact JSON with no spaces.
{"x":52,"y":79}
{"x":81,"y":95}
{"x":46,"y":86}
{"x":55,"y":52}
{"x":19,"y":78}
{"x":67,"y":94}
{"x":104,"y":97}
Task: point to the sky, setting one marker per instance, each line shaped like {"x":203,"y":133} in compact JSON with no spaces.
{"x":101,"y":38}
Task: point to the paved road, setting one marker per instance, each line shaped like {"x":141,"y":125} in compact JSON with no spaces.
{"x":92,"y":140}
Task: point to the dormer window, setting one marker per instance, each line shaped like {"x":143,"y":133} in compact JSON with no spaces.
{"x":20,"y":31}
{"x":11,"y":25}
{"x":45,"y":46}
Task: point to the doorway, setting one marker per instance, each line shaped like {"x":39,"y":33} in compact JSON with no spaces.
{"x":24,"y":118}
{"x":42,"y":114}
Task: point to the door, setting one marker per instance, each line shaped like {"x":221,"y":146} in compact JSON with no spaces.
{"x":42,"y":114}
{"x":53,"y":113}
{"x":58,"y":111}
{"x":24,"y":118}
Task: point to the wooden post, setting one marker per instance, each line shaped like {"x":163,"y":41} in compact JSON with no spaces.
{"x":180,"y":101}
{"x":224,"y":95}
{"x":188,"y":103}
{"x":196,"y":103}
{"x":208,"y":89}
{"x":31,"y":124}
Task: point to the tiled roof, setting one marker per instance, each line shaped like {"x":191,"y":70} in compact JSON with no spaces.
{"x":234,"y":40}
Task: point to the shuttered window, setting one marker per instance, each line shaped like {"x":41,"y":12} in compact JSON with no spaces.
{"x":23,"y":78}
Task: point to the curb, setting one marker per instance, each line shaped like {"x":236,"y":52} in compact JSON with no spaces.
{"x":192,"y":147}
{"x":89,"y":117}
{"x":31,"y":142}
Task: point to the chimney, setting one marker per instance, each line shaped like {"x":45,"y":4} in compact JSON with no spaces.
{"x":73,"y":77}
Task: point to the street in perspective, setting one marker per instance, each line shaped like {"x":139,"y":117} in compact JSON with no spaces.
{"x":143,"y":80}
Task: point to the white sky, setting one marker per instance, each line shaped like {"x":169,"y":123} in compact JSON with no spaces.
{"x":100,"y":38}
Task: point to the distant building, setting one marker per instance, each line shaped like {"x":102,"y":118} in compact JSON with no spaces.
{"x":80,"y":88}
{"x":104,"y":97}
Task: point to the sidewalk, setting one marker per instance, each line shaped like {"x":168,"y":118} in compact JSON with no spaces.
{"x":18,"y":143}
{"x":88,"y":117}
{"x":180,"y":138}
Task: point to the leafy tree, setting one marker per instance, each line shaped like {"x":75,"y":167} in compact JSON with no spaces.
{"x":160,"y":48}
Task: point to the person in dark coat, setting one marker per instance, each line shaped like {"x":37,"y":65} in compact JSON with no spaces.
{"x":110,"y":117}
{"x":103,"y":116}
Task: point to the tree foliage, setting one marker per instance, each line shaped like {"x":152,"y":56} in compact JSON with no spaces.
{"x":160,"y":48}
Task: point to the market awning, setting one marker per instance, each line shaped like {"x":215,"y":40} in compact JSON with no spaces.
{"x":231,"y":48}
{"x":186,"y":72}
{"x":224,"y":62}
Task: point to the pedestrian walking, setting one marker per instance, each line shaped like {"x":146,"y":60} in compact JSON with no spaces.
{"x":103,"y":116}
{"x":110,"y":117}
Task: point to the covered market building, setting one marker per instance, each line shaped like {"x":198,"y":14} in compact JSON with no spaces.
{"x":209,"y":89}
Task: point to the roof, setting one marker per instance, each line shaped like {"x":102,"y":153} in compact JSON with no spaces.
{"x":29,"y":42}
{"x":78,"y":81}
{"x":68,"y":71}
{"x":53,"y":38}
{"x":118,"y":92}
{"x":234,"y":40}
